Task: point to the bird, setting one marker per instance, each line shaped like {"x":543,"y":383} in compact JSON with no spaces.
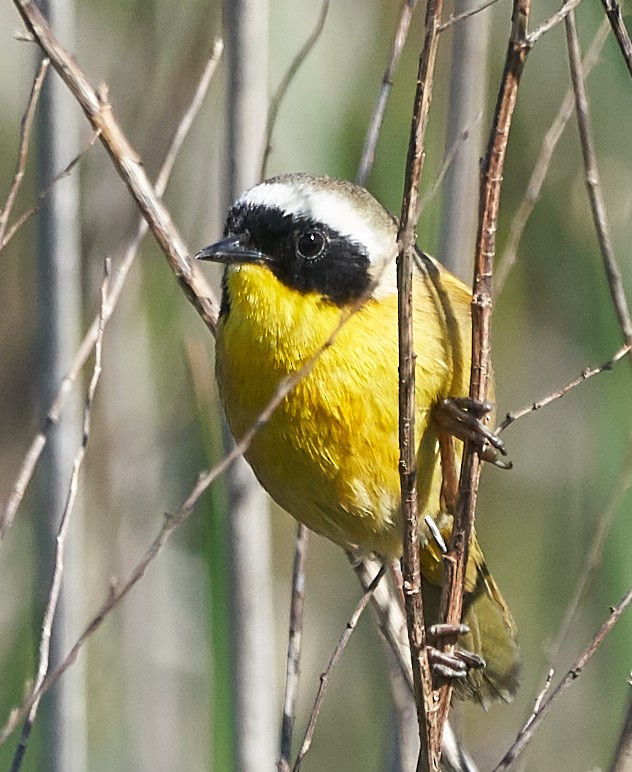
{"x":309,"y":285}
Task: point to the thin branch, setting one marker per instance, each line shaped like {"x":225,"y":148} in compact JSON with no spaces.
{"x":527,"y":733}
{"x":42,"y":195}
{"x":455,"y":19}
{"x":34,"y":452}
{"x":58,"y":571}
{"x":281,"y":91}
{"x":541,"y":167}
{"x":294,"y":647}
{"x":585,"y":375}
{"x":595,"y":193}
{"x":537,"y":705}
{"x":379,"y":109}
{"x":455,"y":561}
{"x":429,"y":737}
{"x":546,"y":26}
{"x":335,"y":657}
{"x":23,"y":146}
{"x":98,"y":111}
{"x":613,"y":12}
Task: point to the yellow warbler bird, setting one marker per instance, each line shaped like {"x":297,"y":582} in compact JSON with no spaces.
{"x":308,"y":258}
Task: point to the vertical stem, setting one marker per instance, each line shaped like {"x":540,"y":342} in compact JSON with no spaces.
{"x":294,"y":647}
{"x":59,"y":306}
{"x":247,"y":52}
{"x":59,"y":273}
{"x":249,"y":530}
{"x":593,"y":182}
{"x":430,"y":746}
{"x":455,"y":561}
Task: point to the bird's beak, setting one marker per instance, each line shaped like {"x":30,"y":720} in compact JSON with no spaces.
{"x":230,"y":250}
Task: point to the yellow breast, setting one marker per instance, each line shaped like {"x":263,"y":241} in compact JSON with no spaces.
{"x":329,"y":454}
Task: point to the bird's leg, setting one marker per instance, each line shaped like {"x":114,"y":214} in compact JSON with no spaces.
{"x":463,"y":418}
{"x":449,"y":666}
{"x":450,"y":477}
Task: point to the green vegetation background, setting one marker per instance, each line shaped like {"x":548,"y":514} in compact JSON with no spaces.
{"x":157,"y":680}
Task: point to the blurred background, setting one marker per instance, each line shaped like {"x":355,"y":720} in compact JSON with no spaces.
{"x":155,"y":681}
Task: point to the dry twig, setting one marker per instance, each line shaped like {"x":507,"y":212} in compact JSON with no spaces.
{"x":294,"y":647}
{"x":547,"y":25}
{"x":539,"y":699}
{"x":389,"y":615}
{"x":586,"y":373}
{"x":429,"y":737}
{"x":455,"y":19}
{"x":526,"y":734}
{"x":190,"y":114}
{"x":613,"y":12}
{"x":448,"y":158}
{"x":42,"y":195}
{"x":23,"y":146}
{"x":34,"y":452}
{"x":595,"y":193}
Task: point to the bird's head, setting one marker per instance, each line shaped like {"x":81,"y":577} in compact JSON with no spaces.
{"x":316,"y":234}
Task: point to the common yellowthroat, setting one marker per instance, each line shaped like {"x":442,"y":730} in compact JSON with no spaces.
{"x":302,"y":253}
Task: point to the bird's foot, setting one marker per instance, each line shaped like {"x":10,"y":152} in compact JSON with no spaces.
{"x":463,"y":418}
{"x":451,"y":666}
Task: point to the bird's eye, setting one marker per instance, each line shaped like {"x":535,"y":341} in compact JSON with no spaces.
{"x":310,"y":244}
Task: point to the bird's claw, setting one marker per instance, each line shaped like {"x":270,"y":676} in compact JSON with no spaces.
{"x":451,"y":666}
{"x":463,"y":418}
